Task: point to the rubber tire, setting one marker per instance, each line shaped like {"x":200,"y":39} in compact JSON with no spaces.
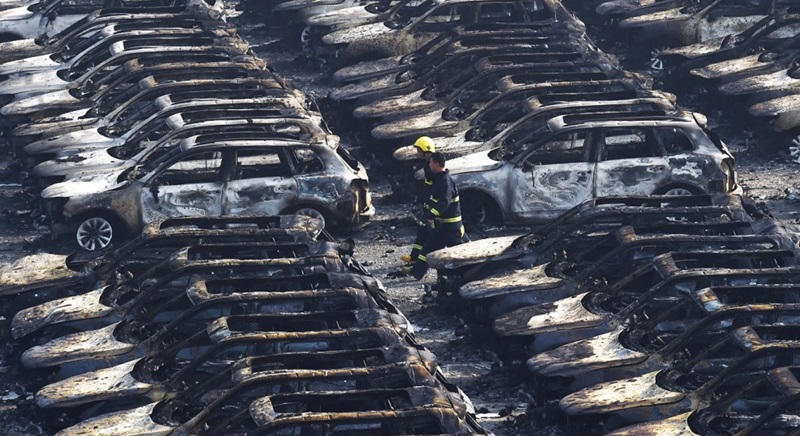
{"x":478,"y":209}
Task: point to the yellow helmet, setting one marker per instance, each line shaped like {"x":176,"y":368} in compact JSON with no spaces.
{"x":425,"y":144}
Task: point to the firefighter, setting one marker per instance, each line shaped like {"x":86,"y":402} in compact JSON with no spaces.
{"x":424,"y":147}
{"x":442,"y":213}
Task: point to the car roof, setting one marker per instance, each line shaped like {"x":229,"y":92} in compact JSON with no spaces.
{"x":612,"y":119}
{"x":245,"y":141}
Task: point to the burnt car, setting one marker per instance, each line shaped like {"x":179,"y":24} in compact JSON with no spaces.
{"x":135,"y":337}
{"x":668,"y":276}
{"x":224,"y":179}
{"x":408,"y":364}
{"x":653,"y":338}
{"x":169,"y":118}
{"x":766,"y":34}
{"x":459,"y":38}
{"x":505,"y":130}
{"x":708,"y":19}
{"x":605,"y":260}
{"x":95,"y":68}
{"x":771,"y":401}
{"x":779,"y":56}
{"x":473,"y":106}
{"x":585,"y":222}
{"x":437,"y":70}
{"x":491,"y":74}
{"x":722,"y":367}
{"x":436,"y":415}
{"x":293,"y":123}
{"x":54,"y":16}
{"x":780,"y":78}
{"x":251,"y":269}
{"x":43,"y":271}
{"x":87,"y":27}
{"x":100,"y":42}
{"x":574,"y":158}
{"x":131,"y":104}
{"x":400,"y":33}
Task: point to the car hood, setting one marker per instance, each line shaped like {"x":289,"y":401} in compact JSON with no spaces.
{"x":8,"y":4}
{"x":77,"y":307}
{"x":565,"y":314}
{"x":87,"y":184}
{"x":470,"y":253}
{"x":85,"y":345}
{"x":29,"y":64}
{"x":778,"y":80}
{"x":363,"y":87}
{"x":454,"y":145}
{"x":696,"y":50}
{"x":357,"y":33}
{"x":416,"y":125}
{"x":659,"y":18}
{"x":677,"y":425}
{"x":46,"y":100}
{"x":41,"y":267}
{"x":103,"y":384}
{"x":573,"y":359}
{"x":17,"y":13}
{"x":787,"y":103}
{"x":411,"y":102}
{"x":368,"y":69}
{"x":95,"y":160}
{"x":21,"y":48}
{"x":621,"y":6}
{"x":471,"y":163}
{"x":293,"y":5}
{"x":55,"y":127}
{"x":623,"y":394}
{"x":724,"y":68}
{"x":352,"y":16}
{"x":133,"y":422}
{"x":34,"y":83}
{"x":520,"y":280}
{"x":89,"y":138}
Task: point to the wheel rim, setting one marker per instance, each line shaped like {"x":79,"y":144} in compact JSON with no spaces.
{"x":794,"y":149}
{"x":95,"y":234}
{"x":313,"y":213}
{"x":306,"y":39}
{"x":474,"y":211}
{"x":679,"y":191}
{"x":656,"y":63}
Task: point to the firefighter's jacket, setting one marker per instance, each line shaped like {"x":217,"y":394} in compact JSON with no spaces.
{"x":442,"y":204}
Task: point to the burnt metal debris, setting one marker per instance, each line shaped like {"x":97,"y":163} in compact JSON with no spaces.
{"x":655,"y":295}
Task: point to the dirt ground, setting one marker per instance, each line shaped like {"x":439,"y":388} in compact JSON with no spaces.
{"x":507,"y":401}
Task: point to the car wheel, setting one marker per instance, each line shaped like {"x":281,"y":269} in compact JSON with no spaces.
{"x":478,"y":209}
{"x":313,"y":213}
{"x":95,"y":233}
{"x":310,"y":39}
